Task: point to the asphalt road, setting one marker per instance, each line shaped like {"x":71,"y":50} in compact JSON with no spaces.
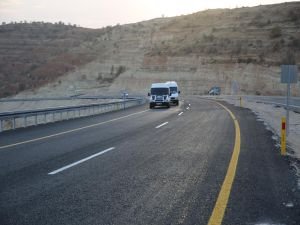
{"x":141,"y":166}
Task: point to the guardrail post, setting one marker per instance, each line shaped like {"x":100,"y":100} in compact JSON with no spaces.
{"x":14,"y":123}
{"x":35,"y":119}
{"x":25,"y":121}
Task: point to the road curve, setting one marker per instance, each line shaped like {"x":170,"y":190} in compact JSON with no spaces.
{"x":140,"y":166}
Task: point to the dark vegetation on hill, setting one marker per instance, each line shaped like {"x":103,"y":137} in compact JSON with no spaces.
{"x":34,"y":54}
{"x":262,"y":34}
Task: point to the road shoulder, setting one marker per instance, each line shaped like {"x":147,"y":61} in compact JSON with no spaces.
{"x":265,"y":186}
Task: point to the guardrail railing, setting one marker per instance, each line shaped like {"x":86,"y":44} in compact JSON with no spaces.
{"x":262,"y":99}
{"x":64,"y":98}
{"x":291,"y":107}
{"x":18,"y":119}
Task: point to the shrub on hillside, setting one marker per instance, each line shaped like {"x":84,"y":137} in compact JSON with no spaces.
{"x":294,"y":43}
{"x":276,"y":47}
{"x":208,"y":38}
{"x":288,"y":58}
{"x":121,"y":69}
{"x":294,"y":16}
{"x":275,"y":32}
{"x":21,"y":87}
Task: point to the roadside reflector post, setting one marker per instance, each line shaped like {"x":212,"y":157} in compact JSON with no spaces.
{"x":283,"y":136}
{"x":240,"y":101}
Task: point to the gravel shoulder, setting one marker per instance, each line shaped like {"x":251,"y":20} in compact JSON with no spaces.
{"x":271,"y":116}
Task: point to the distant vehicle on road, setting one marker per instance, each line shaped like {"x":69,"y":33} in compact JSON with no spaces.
{"x":174,"y":92}
{"x":214,"y":91}
{"x":159,"y":95}
{"x":124,"y":95}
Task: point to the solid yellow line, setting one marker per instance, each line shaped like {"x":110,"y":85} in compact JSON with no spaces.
{"x":217,"y":215}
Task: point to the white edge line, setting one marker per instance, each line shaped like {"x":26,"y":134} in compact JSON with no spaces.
{"x":80,"y":161}
{"x":69,"y":131}
{"x":163,"y":124}
{"x":180,"y":114}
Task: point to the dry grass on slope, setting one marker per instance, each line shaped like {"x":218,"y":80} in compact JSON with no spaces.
{"x":261,"y":34}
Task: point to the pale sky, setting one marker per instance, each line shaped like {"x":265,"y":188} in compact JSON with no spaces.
{"x":100,"y":13}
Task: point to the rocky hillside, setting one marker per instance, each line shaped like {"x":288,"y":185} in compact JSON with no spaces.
{"x":239,"y":50}
{"x":32,"y":55}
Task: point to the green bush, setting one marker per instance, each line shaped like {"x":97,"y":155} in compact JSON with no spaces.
{"x":275,"y":32}
{"x":121,"y":69}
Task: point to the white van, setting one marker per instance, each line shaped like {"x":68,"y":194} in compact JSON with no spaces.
{"x":159,"y":95}
{"x":174,"y":92}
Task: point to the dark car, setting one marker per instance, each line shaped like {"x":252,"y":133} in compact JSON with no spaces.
{"x":214,"y":91}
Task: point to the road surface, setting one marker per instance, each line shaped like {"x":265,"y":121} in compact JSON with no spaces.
{"x":141,"y":166}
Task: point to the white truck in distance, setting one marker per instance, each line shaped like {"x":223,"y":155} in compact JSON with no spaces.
{"x":159,"y":95}
{"x":174,"y":92}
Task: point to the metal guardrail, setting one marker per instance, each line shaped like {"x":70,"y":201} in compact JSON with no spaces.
{"x":291,"y":107}
{"x":62,"y":98}
{"x":264,"y":99}
{"x":18,"y":119}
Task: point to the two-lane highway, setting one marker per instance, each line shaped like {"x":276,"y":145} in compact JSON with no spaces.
{"x":138,"y":166}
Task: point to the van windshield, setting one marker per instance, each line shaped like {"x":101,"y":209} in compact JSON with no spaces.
{"x":173,"y":89}
{"x":159,"y":91}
